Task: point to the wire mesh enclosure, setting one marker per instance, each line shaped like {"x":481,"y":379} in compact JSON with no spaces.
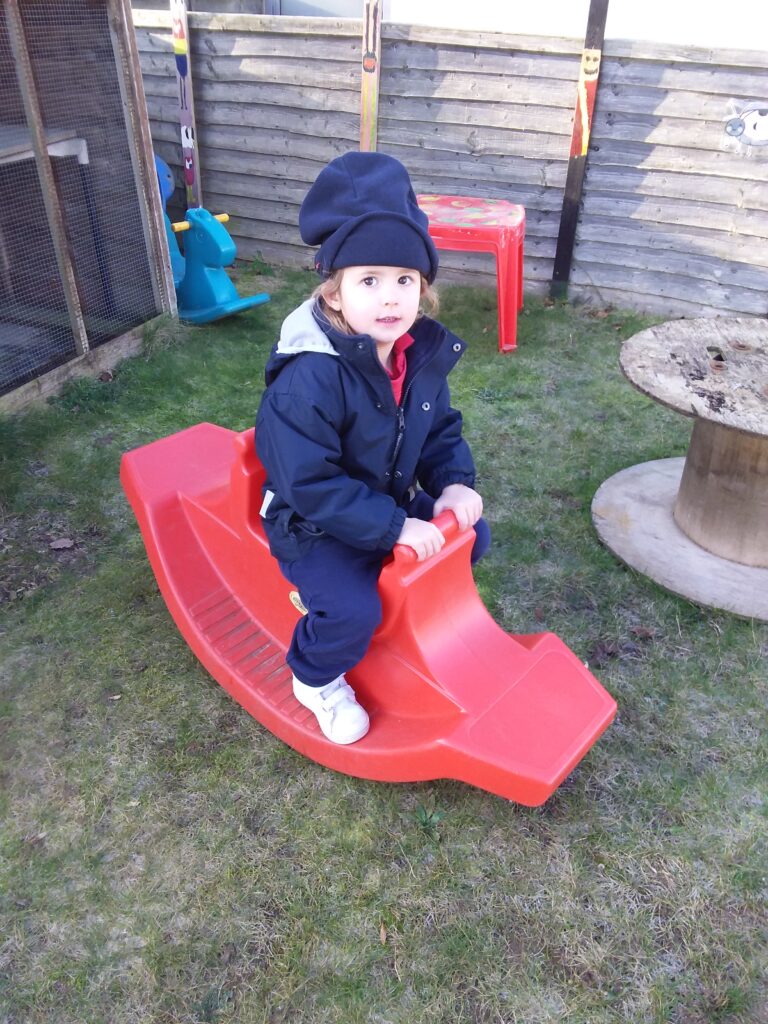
{"x":82,"y":256}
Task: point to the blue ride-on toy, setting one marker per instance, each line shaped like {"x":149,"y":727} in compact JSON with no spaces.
{"x":204,"y":290}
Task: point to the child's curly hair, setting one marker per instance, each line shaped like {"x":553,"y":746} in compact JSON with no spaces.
{"x":332,"y":283}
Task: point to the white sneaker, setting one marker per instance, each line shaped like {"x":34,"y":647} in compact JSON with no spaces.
{"x":341,"y":718}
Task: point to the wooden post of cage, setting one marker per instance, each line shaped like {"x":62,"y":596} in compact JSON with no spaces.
{"x":141,"y":152}
{"x":45,"y":173}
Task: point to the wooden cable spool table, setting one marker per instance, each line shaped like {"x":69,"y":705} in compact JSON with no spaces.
{"x":699,"y":525}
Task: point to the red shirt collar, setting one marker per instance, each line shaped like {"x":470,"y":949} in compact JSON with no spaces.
{"x":399,"y":364}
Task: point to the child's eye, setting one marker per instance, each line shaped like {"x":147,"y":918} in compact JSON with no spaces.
{"x":369,"y":282}
{"x":405,"y":279}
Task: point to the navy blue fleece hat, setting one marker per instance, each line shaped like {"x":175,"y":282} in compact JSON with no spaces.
{"x":362,"y":210}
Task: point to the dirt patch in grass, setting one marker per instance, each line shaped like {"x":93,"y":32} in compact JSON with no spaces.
{"x":36,"y":549}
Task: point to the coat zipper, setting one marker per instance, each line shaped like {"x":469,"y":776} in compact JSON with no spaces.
{"x":400,"y":434}
{"x":401,"y":414}
{"x":401,"y":420}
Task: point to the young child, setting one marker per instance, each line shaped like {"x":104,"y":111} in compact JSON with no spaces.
{"x":355,"y":415}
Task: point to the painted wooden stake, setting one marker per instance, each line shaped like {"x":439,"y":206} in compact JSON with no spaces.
{"x":589,"y":74}
{"x":369,"y":93}
{"x":182,"y":57}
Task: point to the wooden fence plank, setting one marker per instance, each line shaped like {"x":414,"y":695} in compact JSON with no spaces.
{"x":237,"y":71}
{"x":698,"y":188}
{"x":232,"y":44}
{"x":638,"y":50}
{"x":663,"y":211}
{"x":682,"y":132}
{"x":639,"y":155}
{"x":482,"y":88}
{"x":671,"y":53}
{"x":665,"y":103}
{"x":704,"y":268}
{"x":475,"y":62}
{"x":670,"y":286}
{"x":707,"y":78}
{"x":583,"y":289}
{"x":238,"y":139}
{"x":270,"y":93}
{"x":490,"y":144}
{"x":247,"y":23}
{"x":533,"y":122}
{"x":721,"y":245}
{"x":286,"y":122}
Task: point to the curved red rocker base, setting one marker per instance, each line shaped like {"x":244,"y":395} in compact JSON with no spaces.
{"x":449,"y":693}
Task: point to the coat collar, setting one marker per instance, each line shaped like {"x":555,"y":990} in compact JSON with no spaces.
{"x":306,"y":329}
{"x":301,"y":332}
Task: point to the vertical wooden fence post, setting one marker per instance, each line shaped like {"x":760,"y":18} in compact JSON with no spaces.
{"x":183,"y":59}
{"x":369,"y":86}
{"x":589,"y":74}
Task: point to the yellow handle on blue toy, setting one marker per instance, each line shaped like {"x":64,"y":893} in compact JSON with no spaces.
{"x":183,"y":225}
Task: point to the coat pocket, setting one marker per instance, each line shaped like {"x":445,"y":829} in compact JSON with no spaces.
{"x":289,"y":535}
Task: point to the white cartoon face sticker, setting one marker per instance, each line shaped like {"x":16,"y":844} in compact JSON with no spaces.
{"x":187,"y":137}
{"x":750,"y":127}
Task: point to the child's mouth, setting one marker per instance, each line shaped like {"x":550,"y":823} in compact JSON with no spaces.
{"x":387,"y":319}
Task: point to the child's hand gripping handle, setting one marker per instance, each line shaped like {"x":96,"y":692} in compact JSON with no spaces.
{"x":405,"y":556}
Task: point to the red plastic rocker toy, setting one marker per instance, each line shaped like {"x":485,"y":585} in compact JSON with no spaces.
{"x":449,"y":693}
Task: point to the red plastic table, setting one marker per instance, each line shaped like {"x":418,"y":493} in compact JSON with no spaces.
{"x":468,"y":224}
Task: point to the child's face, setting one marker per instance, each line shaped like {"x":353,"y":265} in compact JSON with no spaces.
{"x":380,"y":301}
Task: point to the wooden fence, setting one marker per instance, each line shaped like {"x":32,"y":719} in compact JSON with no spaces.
{"x":674,"y":218}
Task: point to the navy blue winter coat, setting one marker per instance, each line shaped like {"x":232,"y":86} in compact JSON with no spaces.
{"x":340,"y":455}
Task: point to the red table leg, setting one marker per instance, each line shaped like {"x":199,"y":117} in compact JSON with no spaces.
{"x":467,"y":224}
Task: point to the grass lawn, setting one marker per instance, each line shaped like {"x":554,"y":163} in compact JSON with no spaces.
{"x":164,"y":859}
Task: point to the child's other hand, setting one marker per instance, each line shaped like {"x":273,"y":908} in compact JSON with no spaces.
{"x":425,"y":538}
{"x":466,"y":504}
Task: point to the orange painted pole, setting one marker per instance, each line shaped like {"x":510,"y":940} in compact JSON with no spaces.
{"x":586,"y":92}
{"x":369,"y":91}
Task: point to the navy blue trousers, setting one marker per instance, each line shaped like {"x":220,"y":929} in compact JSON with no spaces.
{"x":338,"y":585}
